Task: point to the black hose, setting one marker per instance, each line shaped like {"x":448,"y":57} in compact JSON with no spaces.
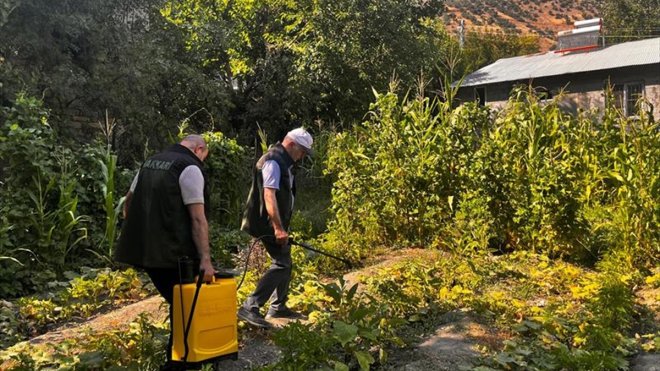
{"x":292,"y":242}
{"x":308,"y":247}
{"x":247,"y":259}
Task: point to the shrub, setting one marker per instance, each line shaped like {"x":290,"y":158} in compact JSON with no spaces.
{"x":228,"y":167}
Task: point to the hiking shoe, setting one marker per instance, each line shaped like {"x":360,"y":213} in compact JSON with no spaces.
{"x":172,"y":366}
{"x":255,"y":319}
{"x":285,"y":313}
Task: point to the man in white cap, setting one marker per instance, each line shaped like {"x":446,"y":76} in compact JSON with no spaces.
{"x":267,"y":216}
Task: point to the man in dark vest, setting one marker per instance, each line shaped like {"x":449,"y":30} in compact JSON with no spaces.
{"x":267,"y":216}
{"x":165,"y":217}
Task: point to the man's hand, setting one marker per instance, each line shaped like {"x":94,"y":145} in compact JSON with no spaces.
{"x":205,"y":264}
{"x":281,"y":237}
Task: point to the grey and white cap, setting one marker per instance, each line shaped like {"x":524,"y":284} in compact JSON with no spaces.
{"x":302,"y":138}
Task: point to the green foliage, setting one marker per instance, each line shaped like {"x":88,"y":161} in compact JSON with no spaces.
{"x":52,"y":193}
{"x":562,"y":316}
{"x":528,"y":163}
{"x":400,"y":174}
{"x":80,"y":297}
{"x":306,"y":347}
{"x":482,"y":49}
{"x":43,"y":213}
{"x":629,"y":18}
{"x":588,"y":331}
{"x":409,"y":287}
{"x":419,"y":172}
{"x":348,"y":330}
{"x":140,"y":347}
{"x":106,"y":56}
{"x":112,"y":208}
{"x":226,"y":168}
{"x":9,"y":325}
{"x":225,"y":241}
{"x":312,"y":208}
{"x":472,"y":227}
{"x":630,"y":185}
{"x":304,"y":61}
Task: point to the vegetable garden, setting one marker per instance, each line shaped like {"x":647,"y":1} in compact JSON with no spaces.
{"x":540,"y":224}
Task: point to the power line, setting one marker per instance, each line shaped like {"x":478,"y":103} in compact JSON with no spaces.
{"x":618,"y":32}
{"x":618,"y":29}
{"x":631,"y":36}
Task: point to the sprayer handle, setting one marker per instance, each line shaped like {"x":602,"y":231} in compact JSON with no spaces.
{"x":200,"y":279}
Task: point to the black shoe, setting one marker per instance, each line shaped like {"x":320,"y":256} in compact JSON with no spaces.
{"x":285,"y":313}
{"x":255,"y":319}
{"x":172,"y":366}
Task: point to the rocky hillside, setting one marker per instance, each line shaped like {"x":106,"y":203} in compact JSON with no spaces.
{"x":543,"y":18}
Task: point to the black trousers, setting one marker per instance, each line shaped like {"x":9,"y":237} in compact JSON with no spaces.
{"x":164,"y":279}
{"x":274,"y":284}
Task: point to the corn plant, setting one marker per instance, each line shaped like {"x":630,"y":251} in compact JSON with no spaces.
{"x":112,"y":208}
{"x":399,"y":173}
{"x":57,"y":230}
{"x":632,"y":171}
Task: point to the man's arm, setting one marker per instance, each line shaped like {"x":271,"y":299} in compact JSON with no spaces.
{"x":127,"y":203}
{"x":270,"y":198}
{"x":200,"y":234}
{"x":129,"y":195}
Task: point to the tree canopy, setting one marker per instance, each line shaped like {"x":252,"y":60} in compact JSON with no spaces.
{"x":310,"y":60}
{"x":232,"y":66}
{"x":626,"y":19}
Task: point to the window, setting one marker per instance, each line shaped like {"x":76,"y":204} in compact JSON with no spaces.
{"x":480,"y":96}
{"x":633,"y":93}
{"x":544,"y":93}
{"x":626,"y":97}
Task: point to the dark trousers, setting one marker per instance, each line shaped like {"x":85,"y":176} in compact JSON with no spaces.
{"x":164,"y":279}
{"x":274,"y":284}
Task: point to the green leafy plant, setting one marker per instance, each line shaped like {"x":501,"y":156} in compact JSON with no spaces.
{"x":347,"y":330}
{"x":141,"y":346}
{"x":83,"y":295}
{"x":108,"y":169}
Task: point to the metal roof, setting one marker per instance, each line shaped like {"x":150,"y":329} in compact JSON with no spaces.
{"x":633,"y":53}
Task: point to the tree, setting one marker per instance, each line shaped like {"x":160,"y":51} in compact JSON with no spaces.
{"x":629,"y":19}
{"x":307,"y":60}
{"x":88,"y":57}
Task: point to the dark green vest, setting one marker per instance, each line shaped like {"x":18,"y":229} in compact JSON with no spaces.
{"x":255,"y":219}
{"x":157,"y":230}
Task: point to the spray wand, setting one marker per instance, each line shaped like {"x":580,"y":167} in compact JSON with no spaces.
{"x":308,"y":247}
{"x":292,"y":242}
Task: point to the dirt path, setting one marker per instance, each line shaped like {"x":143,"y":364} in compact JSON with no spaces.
{"x":117,"y":319}
{"x":452,"y":342}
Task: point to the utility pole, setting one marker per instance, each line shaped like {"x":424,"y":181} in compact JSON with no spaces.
{"x":461,"y":33}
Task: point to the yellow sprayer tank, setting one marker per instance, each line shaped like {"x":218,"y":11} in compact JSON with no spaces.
{"x":213,"y":329}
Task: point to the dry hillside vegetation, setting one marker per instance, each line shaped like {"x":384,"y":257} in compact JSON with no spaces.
{"x":543,"y":18}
